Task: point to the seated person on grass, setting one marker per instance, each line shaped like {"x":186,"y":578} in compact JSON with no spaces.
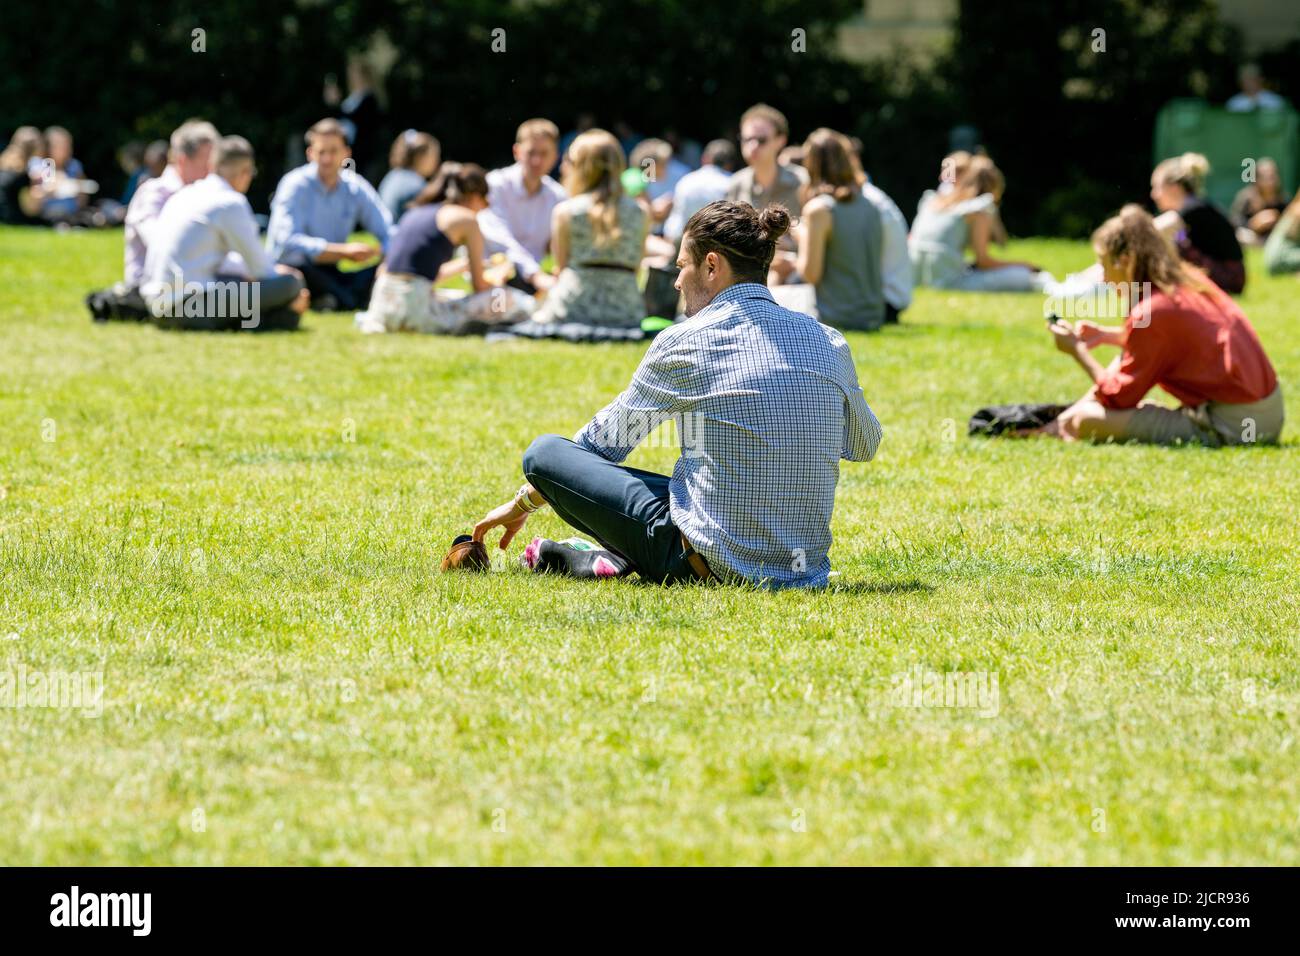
{"x":764,"y":180}
{"x":1282,"y":251}
{"x":64,"y":190}
{"x":316,"y":207}
{"x":191,"y":160}
{"x":766,"y":402}
{"x":200,"y":226}
{"x":1186,"y":335}
{"x":598,"y":235}
{"x":841,"y":241}
{"x":966,"y":217}
{"x":1202,"y":233}
{"x":1258,"y":205}
{"x":438,"y":221}
{"x":697,"y":189}
{"x":19,"y":205}
{"x":412,"y":161}
{"x":524,"y":197}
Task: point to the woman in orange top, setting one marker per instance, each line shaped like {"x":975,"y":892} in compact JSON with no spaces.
{"x":1182,"y":333}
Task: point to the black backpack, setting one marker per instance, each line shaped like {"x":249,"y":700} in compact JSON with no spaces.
{"x":997,"y":419}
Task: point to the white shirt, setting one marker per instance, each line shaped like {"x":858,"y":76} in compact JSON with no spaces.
{"x":517,"y":222}
{"x":200,"y":225}
{"x":141,"y":215}
{"x":694,"y":191}
{"x":895,"y":264}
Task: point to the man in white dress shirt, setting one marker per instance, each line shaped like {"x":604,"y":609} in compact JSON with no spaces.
{"x":895,"y":264}
{"x":697,"y":189}
{"x":184,"y":284}
{"x":521,"y":199}
{"x":191,"y":159}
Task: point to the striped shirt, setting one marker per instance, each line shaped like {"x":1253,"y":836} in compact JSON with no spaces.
{"x":766,"y":402}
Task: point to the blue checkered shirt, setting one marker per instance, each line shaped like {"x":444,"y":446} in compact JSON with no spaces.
{"x":766,"y":402}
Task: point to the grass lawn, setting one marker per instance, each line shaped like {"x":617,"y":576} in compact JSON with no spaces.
{"x":242,"y":533}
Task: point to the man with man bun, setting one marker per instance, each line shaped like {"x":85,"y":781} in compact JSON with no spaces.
{"x":766,"y":402}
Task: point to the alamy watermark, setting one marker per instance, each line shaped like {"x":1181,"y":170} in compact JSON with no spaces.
{"x":628,"y":429}
{"x":21,"y":689}
{"x":216,"y":299}
{"x":1103,"y":300}
{"x":961,"y":690}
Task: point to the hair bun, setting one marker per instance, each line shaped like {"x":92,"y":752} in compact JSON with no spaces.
{"x":775,"y":221}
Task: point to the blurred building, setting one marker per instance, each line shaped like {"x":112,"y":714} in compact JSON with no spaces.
{"x":922,"y":29}
{"x":1264,"y":24}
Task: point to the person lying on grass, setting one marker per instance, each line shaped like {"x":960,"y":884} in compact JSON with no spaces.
{"x":766,"y":403}
{"x":1184,"y":334}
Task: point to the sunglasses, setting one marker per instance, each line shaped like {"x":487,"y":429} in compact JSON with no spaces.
{"x":760,"y":140}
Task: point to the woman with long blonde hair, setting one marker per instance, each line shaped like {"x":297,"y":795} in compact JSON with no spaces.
{"x":597,"y":237}
{"x":1202,"y":233}
{"x":1182,"y":333}
{"x":966,"y":217}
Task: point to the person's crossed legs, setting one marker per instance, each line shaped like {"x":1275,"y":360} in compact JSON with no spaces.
{"x":221,"y":302}
{"x":332,"y":289}
{"x":1148,"y":423}
{"x":624,"y":509}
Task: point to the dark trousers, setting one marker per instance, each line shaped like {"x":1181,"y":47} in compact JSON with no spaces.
{"x":523,"y":285}
{"x":624,"y":509}
{"x":274,"y":295}
{"x":349,"y":290}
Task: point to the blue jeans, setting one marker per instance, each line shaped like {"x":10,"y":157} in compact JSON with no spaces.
{"x":624,"y":509}
{"x":1002,"y":279}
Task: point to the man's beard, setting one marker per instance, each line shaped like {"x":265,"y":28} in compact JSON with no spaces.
{"x":696,"y":298}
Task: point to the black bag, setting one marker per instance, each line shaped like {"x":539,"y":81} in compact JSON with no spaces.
{"x":660,"y":296}
{"x":997,"y":419}
{"x":118,"y":304}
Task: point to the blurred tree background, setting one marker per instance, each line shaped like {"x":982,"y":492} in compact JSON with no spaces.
{"x":1070,"y":126}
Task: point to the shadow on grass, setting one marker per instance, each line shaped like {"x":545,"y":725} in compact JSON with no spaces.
{"x":879,"y":587}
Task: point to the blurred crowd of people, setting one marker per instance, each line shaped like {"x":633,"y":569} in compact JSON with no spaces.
{"x":584,"y":234}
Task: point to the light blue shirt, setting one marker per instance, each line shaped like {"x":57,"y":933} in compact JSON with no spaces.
{"x":398,"y":188}
{"x":694,"y":191}
{"x":766,"y":403}
{"x":306,"y":217}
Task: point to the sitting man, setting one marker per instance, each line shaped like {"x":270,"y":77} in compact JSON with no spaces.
{"x":521,"y":199}
{"x":766,"y":402}
{"x":316,"y":207}
{"x":191,"y":160}
{"x":763,"y":133}
{"x":199,"y":228}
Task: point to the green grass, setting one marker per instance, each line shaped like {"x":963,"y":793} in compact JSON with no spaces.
{"x":280,"y":654}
